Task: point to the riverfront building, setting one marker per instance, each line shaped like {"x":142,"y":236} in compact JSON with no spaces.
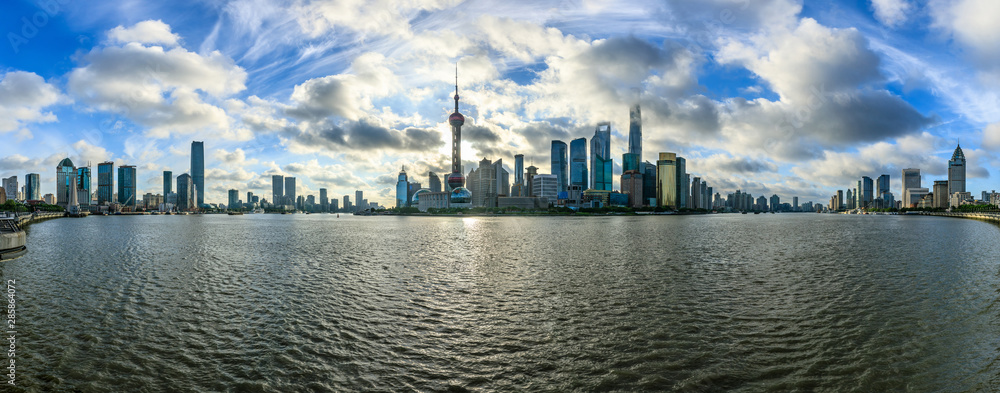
{"x":168,"y":182}
{"x":666,"y":180}
{"x":198,"y":170}
{"x":65,"y":183}
{"x":601,"y":165}
{"x":578,"y":174}
{"x":105,"y":183}
{"x":956,"y":172}
{"x":10,"y":187}
{"x":560,"y":164}
{"x":186,"y":193}
{"x":126,"y":186}
{"x":83,"y":188}
{"x":402,"y":189}
{"x":32,"y":187}
{"x":290,"y":191}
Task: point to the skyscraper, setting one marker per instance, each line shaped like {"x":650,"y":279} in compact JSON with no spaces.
{"x":32,"y":187}
{"x":105,"y":183}
{"x":359,"y":197}
{"x":666,"y":180}
{"x":529,"y":184}
{"x":126,"y":186}
{"x":865,"y":192}
{"x":198,"y":169}
{"x":560,"y":165}
{"x":911,"y":179}
{"x":956,"y":171}
{"x":185,"y":193}
{"x":83,"y":187}
{"x":635,"y":131}
{"x":519,"y":169}
{"x":65,"y":183}
{"x":168,"y":182}
{"x":234,"y":197}
{"x":578,"y":174}
{"x":600,"y":158}
{"x":682,"y":183}
{"x":10,"y":186}
{"x":290,"y":191}
{"x":882,"y":186}
{"x":402,"y":189}
{"x":434,"y":182}
{"x":324,"y":200}
{"x":460,"y":196}
{"x":277,"y":190}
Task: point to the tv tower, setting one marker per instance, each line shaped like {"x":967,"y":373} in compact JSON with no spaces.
{"x":460,"y":196}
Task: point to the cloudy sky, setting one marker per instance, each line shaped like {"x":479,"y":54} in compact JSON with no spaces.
{"x":787,"y":97}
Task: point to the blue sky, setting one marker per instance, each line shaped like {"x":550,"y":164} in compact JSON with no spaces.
{"x":795,"y":98}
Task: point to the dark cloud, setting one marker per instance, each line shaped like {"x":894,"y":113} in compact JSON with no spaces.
{"x":321,"y":98}
{"x":474,"y":133}
{"x":866,"y":117}
{"x":744,"y":165}
{"x":366,"y":136}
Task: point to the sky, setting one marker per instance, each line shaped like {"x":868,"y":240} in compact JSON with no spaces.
{"x":786,"y":97}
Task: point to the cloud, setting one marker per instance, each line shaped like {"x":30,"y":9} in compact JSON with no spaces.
{"x":24,"y":96}
{"x":374,"y":18}
{"x":346,"y":95}
{"x":364,"y":135}
{"x":991,"y":136}
{"x":891,"y":13}
{"x":145,"y":32}
{"x":162,"y":90}
{"x":972,"y":23}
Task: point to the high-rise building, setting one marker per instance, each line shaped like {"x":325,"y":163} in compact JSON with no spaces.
{"x":532,"y":171}
{"x":234,"y":198}
{"x":460,"y":196}
{"x":168,"y":182}
{"x":10,"y":187}
{"x":324,"y":200}
{"x":682,"y":183}
{"x":941,"y":196}
{"x":359,"y":198}
{"x":560,"y":164}
{"x":648,"y":182}
{"x":83,"y":185}
{"x":631,"y":184}
{"x":198,"y":170}
{"x":911,"y":179}
{"x":956,"y":171}
{"x":695,"y":193}
{"x":775,"y":202}
{"x":127,"y":186}
{"x":519,"y":169}
{"x":882,"y":185}
{"x":545,"y":186}
{"x":277,"y":190}
{"x":65,"y":183}
{"x":185,"y":193}
{"x":105,"y":183}
{"x":347,"y":203}
{"x":434,"y":182}
{"x":666,"y":180}
{"x":795,"y":204}
{"x":635,"y":132}
{"x":601,"y":165}
{"x":290,"y":191}
{"x":334,"y":204}
{"x":865,"y":192}
{"x":578,"y":175}
{"x":402,"y":189}
{"x":32,"y":187}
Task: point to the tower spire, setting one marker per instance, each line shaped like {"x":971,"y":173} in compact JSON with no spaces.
{"x":456,"y":87}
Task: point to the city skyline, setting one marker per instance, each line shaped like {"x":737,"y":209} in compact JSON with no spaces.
{"x":885,"y":89}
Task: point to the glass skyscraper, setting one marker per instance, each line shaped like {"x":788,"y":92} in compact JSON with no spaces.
{"x":198,"y":169}
{"x":105,"y":183}
{"x":956,"y":171}
{"x":578,"y":175}
{"x":666,"y":180}
{"x":126,"y":186}
{"x":601,"y":169}
{"x":185,"y":192}
{"x":519,"y":169}
{"x":682,"y":182}
{"x":277,"y":190}
{"x":290,"y":191}
{"x":168,"y":183}
{"x":560,"y":165}
{"x":635,"y":132}
{"x":32,"y":187}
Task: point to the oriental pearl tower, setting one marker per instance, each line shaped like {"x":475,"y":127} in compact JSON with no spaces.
{"x":460,"y":196}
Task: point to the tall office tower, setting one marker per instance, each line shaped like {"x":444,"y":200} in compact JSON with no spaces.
{"x":529,"y":180}
{"x":882,"y":186}
{"x":666,"y":180}
{"x":482,"y":182}
{"x":234,"y":198}
{"x":402,"y":189}
{"x":795,"y":204}
{"x":840,"y":199}
{"x":703,"y":189}
{"x":519,"y":169}
{"x":578,"y":175}
{"x":185,"y":193}
{"x":648,"y":182}
{"x":198,"y":170}
{"x":250,"y":198}
{"x":631,"y":184}
{"x":10,"y":186}
{"x":168,"y":182}
{"x":865,"y":192}
{"x":126,"y":186}
{"x":630,"y":162}
{"x":941,"y":197}
{"x":347,"y":203}
{"x":682,"y":183}
{"x":911,"y":179}
{"x":105,"y":183}
{"x":502,"y":178}
{"x":775,"y":201}
{"x":83,"y":185}
{"x":460,"y":196}
{"x":359,"y":198}
{"x":434,"y":182}
{"x":560,"y":165}
{"x":290,"y":191}
{"x":956,"y":171}
{"x":277,"y":190}
{"x":32,"y":187}
{"x":324,"y":200}
{"x":850,"y":203}
{"x":600,"y":158}
{"x":696,"y":193}
{"x":334,"y":204}
{"x":635,"y":132}
{"x":65,"y":183}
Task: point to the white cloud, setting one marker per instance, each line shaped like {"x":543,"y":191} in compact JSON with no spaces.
{"x":146,"y":32}
{"x":972,"y":23}
{"x":376,"y":18}
{"x":991,"y":136}
{"x":23,"y":98}
{"x":891,"y":13}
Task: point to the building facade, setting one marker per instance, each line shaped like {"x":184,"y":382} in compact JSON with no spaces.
{"x":198,"y":170}
{"x":956,"y":171}
{"x":560,"y":164}
{"x":601,"y":165}
{"x":127,"y":186}
{"x":578,"y":174}
{"x":65,"y":183}
{"x":666,"y":181}
{"x":33,"y":187}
